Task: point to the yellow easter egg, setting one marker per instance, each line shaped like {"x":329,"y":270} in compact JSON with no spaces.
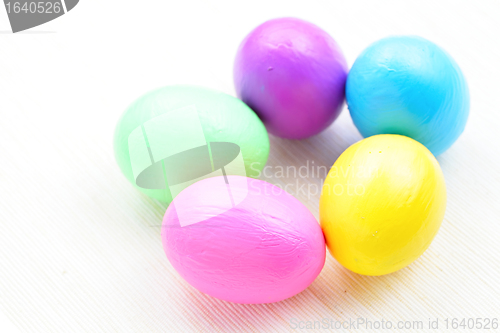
{"x":382,"y":203}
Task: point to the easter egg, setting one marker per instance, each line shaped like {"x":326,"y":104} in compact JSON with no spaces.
{"x":174,"y":136}
{"x":408,"y":85}
{"x":243,"y":240}
{"x":292,"y":74}
{"x":382,"y":203}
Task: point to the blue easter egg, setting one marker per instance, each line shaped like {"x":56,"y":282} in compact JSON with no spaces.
{"x":410,"y":86}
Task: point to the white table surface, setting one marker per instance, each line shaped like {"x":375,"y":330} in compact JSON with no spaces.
{"x":80,"y":249}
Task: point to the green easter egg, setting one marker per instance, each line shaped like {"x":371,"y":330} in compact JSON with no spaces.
{"x":175,"y":136}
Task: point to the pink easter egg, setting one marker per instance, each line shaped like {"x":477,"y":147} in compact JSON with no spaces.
{"x":243,"y":240}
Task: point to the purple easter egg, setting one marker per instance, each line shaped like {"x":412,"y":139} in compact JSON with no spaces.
{"x":292,"y":74}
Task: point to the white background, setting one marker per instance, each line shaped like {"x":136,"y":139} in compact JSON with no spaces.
{"x":80,"y":249}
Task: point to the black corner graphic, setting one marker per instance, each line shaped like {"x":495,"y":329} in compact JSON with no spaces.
{"x":70,"y":4}
{"x":26,"y":14}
